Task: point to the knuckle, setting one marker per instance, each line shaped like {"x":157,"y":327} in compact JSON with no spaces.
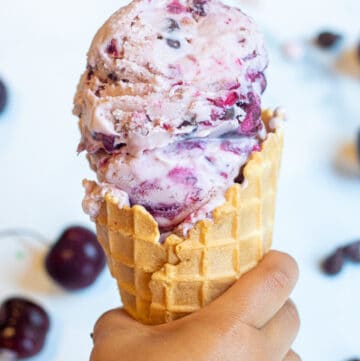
{"x":292,"y":313}
{"x":231,"y":326}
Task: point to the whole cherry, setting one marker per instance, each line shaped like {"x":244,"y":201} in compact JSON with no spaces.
{"x":76,"y":259}
{"x":23,"y":327}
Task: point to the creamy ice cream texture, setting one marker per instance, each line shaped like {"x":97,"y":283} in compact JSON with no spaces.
{"x":169,"y":107}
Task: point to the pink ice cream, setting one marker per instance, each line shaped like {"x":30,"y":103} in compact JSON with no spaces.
{"x":169,"y":106}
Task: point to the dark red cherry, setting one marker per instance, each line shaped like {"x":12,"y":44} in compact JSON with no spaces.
{"x":328,"y":39}
{"x":3,"y":96}
{"x":334,"y":263}
{"x":352,"y":251}
{"x":76,"y":259}
{"x":23,"y":327}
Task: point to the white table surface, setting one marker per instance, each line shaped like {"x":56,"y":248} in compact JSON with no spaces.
{"x":42,"y":53}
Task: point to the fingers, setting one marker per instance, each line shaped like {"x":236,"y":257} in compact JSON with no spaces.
{"x":292,"y":356}
{"x":280,"y":332}
{"x":112,"y":320}
{"x":260,"y":293}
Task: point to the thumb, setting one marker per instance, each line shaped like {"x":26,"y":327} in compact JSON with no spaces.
{"x":258,"y":295}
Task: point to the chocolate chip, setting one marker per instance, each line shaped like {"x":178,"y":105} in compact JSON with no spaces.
{"x":241,"y":104}
{"x":125,"y":80}
{"x":112,"y":48}
{"x":327,"y":39}
{"x":333,"y":264}
{"x":352,"y":251}
{"x":185,"y":123}
{"x":160,"y":37}
{"x":239,"y":178}
{"x":90,"y":72}
{"x":173,"y":43}
{"x":199,"y":7}
{"x":190,"y":120}
{"x":172,"y":25}
{"x":98,"y":90}
{"x":3,"y":96}
{"x":113,"y":77}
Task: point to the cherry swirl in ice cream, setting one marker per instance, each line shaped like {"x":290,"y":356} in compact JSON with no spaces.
{"x":169,"y":106}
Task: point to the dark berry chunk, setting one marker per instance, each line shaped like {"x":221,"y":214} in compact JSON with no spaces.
{"x":99,"y":90}
{"x":173,"y":43}
{"x":3,"y":96}
{"x":333,"y":264}
{"x":113,"y":77}
{"x":252,"y":121}
{"x":108,"y":141}
{"x":172,"y":25}
{"x":112,"y":48}
{"x":352,"y":251}
{"x":23,"y":327}
{"x":327,"y":39}
{"x":185,"y":123}
{"x":239,"y":178}
{"x":76,"y":259}
{"x":90,"y":72}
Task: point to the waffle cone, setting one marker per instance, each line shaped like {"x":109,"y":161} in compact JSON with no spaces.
{"x":162,"y":282}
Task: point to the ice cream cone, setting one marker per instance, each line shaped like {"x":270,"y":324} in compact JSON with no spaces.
{"x":160,"y":282}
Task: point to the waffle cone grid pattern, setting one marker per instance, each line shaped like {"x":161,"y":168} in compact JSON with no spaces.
{"x":163,"y":282}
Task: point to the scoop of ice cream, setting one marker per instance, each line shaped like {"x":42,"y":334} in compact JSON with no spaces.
{"x":169,"y":106}
{"x":162,"y":70}
{"x":174,"y":181}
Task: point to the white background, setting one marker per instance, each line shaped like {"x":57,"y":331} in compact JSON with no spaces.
{"x":42,"y":53}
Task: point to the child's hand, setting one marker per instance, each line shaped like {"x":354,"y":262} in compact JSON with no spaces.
{"x":253,"y":321}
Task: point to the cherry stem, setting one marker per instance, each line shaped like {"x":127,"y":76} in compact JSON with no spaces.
{"x":24,"y":232}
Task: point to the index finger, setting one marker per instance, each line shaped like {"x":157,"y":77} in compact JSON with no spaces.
{"x":116,"y":320}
